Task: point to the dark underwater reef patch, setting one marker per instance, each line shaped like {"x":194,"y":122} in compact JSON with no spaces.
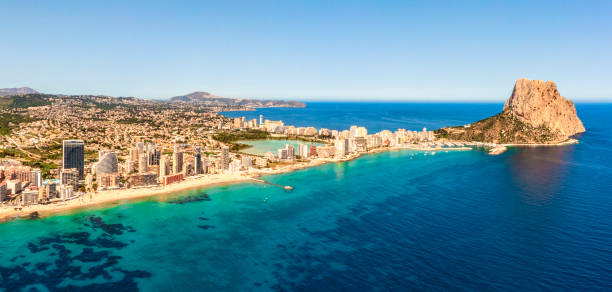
{"x":204,"y":226}
{"x":76,"y":256}
{"x":114,"y":229}
{"x":355,"y":245}
{"x":189,"y":199}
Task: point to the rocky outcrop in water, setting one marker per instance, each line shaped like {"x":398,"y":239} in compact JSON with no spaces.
{"x":534,"y":113}
{"x":539,"y":103}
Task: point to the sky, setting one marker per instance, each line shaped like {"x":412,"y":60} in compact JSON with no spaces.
{"x":307,"y":50}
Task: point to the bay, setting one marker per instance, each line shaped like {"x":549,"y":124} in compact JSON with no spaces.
{"x":529,"y":219}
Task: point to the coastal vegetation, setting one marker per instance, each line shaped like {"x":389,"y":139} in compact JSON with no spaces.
{"x":250,"y":134}
{"x":23,"y":101}
{"x":230,"y":137}
{"x":9,"y":121}
{"x":44,"y":161}
{"x":45,"y":167}
{"x":501,"y":128}
{"x":535,"y":113}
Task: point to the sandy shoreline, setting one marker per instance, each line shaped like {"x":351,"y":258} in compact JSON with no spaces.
{"x":107,"y":197}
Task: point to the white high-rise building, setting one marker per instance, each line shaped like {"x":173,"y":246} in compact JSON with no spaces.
{"x":290,"y":151}
{"x":361,"y":132}
{"x":107,"y":162}
{"x":353,"y":131}
{"x":143,"y":162}
{"x":177,"y":160}
{"x":36,"y":177}
{"x":303,"y":150}
{"x":342,"y":147}
{"x":140,"y":146}
{"x":235,"y":166}
{"x":247,"y":162}
{"x":164,"y":166}
{"x":282,"y":153}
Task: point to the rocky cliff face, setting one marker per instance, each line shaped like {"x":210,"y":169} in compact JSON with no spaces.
{"x":534,"y":113}
{"x":539,"y":103}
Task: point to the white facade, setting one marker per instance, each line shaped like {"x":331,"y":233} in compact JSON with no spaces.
{"x":303,"y":150}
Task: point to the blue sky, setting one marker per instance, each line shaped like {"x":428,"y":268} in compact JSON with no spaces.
{"x":310,"y":50}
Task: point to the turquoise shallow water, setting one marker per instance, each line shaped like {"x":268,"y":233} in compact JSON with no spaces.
{"x":260,"y":147}
{"x":529,"y":219}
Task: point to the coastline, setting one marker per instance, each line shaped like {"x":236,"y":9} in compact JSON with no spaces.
{"x":501,"y":148}
{"x":111,"y":196}
{"x":570,"y":141}
{"x":104,"y":198}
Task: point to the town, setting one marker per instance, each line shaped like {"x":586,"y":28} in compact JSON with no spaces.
{"x":152,"y":161}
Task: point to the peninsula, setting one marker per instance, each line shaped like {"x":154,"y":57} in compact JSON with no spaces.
{"x":208,"y":99}
{"x":65,"y":152}
{"x":535,"y":113}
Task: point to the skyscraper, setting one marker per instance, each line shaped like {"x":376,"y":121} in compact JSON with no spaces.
{"x":197,"y":160}
{"x":154,"y":155}
{"x":69,"y":176}
{"x":224,"y":157}
{"x":140,"y":147}
{"x":107,"y":163}
{"x":177,"y":160}
{"x":247,"y":162}
{"x":303,"y":150}
{"x":73,"y":156}
{"x":342,"y":147}
{"x":290,"y":151}
{"x":163,"y":166}
{"x":142,"y":163}
{"x":36,"y":177}
{"x":134,"y":154}
{"x":260,"y":120}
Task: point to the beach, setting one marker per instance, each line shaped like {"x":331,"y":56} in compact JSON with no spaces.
{"x":103,"y":198}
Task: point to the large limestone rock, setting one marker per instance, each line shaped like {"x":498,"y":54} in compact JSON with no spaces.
{"x":539,"y":103}
{"x":534,"y":113}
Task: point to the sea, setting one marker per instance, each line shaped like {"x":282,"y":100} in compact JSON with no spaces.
{"x":530,"y":219}
{"x":261,"y":147}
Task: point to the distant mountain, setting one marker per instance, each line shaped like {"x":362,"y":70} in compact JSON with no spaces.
{"x":16,"y":91}
{"x":206,"y":98}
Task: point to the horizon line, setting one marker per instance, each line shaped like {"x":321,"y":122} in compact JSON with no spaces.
{"x":348,"y":99}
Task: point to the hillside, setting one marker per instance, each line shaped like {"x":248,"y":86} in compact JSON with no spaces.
{"x":23,"y":101}
{"x":16,"y":91}
{"x":206,"y":98}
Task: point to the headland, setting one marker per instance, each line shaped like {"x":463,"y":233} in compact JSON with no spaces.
{"x":209,"y":154}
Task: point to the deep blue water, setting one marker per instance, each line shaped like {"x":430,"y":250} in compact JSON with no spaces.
{"x":376,"y":116}
{"x":529,"y":219}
